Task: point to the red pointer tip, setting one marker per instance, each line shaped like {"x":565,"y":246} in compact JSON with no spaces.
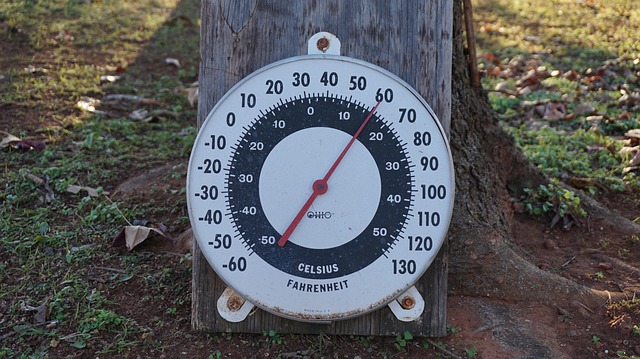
{"x":320,"y":186}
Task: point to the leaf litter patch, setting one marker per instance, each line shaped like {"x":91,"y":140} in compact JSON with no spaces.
{"x":604,"y":102}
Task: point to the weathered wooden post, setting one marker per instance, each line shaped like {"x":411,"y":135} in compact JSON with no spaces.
{"x":411,"y":39}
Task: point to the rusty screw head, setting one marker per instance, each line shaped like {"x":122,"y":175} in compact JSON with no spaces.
{"x":407,"y":302}
{"x":323,"y":44}
{"x":234,"y":303}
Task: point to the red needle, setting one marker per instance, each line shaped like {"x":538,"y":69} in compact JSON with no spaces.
{"x":320,"y":186}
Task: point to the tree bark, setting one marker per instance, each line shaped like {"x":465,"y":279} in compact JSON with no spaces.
{"x":484,"y":261}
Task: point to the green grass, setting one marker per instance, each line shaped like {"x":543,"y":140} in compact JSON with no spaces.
{"x":600,"y":44}
{"x":67,"y":36}
{"x":54,"y":53}
{"x":578,"y":154}
{"x":565,"y":33}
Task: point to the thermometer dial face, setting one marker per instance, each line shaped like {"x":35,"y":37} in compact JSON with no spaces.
{"x":320,"y":187}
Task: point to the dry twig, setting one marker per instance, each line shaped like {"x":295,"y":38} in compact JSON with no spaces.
{"x":443,"y":349}
{"x":471,"y":44}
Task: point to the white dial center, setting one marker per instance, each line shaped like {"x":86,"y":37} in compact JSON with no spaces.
{"x":337,"y":216}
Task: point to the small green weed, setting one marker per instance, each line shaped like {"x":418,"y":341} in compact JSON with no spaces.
{"x":471,"y":352}
{"x":93,"y":210}
{"x":553,"y":200}
{"x":505,"y":106}
{"x":271,"y":337}
{"x":633,"y":239}
{"x":625,"y":306}
{"x":97,"y":319}
{"x":561,"y":84}
{"x":365,"y":341}
{"x":185,"y":258}
{"x":604,"y":242}
{"x":576,"y":155}
{"x":320,"y":344}
{"x":451,"y":329}
{"x":402,"y":340}
{"x":6,"y":353}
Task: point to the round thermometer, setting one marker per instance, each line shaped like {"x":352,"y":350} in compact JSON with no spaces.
{"x":320,"y":187}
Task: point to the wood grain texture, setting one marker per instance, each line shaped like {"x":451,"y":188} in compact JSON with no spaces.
{"x":237,"y":13}
{"x":411,"y":39}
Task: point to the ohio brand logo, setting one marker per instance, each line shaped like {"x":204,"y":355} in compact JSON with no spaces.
{"x":318,"y":215}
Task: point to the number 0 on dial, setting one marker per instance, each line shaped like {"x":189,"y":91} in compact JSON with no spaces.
{"x":320,"y":187}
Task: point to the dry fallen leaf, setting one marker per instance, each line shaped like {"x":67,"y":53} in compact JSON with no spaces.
{"x":192,"y":95}
{"x":42,"y":311}
{"x":139,"y":114}
{"x":89,"y":104}
{"x":582,"y":182}
{"x":131,"y":236}
{"x":50,"y":196}
{"x":37,"y":180}
{"x":28,"y":145}
{"x":8,"y":140}
{"x":134,"y":235}
{"x":133,"y":98}
{"x":584,"y":109}
{"x":629,"y":150}
{"x":490,"y":57}
{"x":172,"y":61}
{"x":20,"y":144}
{"x":530,"y":79}
{"x":146,"y":116}
{"x":635,"y":161}
{"x":632,"y":137}
{"x":633,"y":133}
{"x":594,"y":119}
{"x":91,"y":191}
{"x":64,"y":35}
{"x":109,"y":78}
{"x":525,"y":91}
{"x":554,"y":111}
{"x":35,"y":70}
{"x":571,"y":75}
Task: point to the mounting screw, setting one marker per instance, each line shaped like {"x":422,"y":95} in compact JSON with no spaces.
{"x":407,"y":302}
{"x":235,"y":302}
{"x":323,"y":44}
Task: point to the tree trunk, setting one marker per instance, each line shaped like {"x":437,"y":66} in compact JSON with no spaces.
{"x":483,"y":260}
